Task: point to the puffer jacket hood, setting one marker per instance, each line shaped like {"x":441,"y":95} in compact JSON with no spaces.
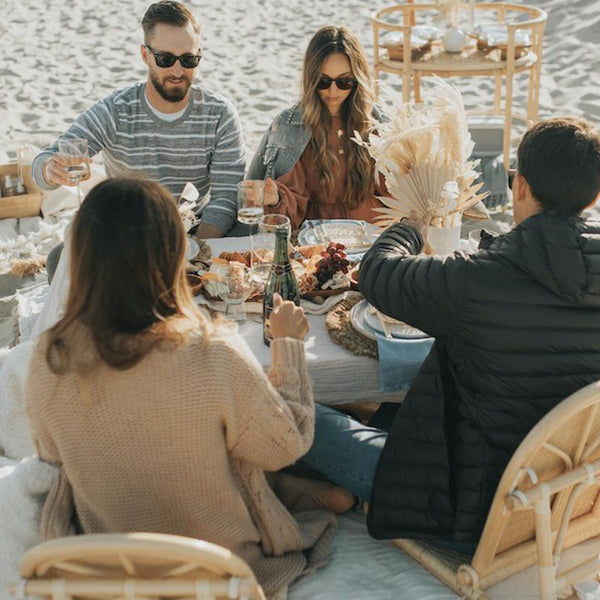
{"x":562,"y":254}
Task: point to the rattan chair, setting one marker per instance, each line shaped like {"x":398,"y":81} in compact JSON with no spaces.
{"x":134,"y":565}
{"x":547,"y":501}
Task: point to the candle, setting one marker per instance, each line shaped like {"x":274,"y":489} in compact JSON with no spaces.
{"x":471,"y":15}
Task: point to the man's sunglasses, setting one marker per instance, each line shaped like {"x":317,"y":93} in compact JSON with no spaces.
{"x":342,"y":83}
{"x":511,"y":177}
{"x":165,"y":59}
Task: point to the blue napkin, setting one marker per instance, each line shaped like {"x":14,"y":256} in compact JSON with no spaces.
{"x":400,"y":360}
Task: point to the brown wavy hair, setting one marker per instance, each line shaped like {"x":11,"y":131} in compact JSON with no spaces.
{"x":169,"y":12}
{"x":355,"y":111}
{"x":128,"y":289}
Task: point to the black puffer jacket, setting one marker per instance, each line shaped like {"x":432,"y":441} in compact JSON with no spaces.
{"x":517,"y":329}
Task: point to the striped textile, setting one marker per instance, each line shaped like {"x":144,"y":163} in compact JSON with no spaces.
{"x":204,"y":146}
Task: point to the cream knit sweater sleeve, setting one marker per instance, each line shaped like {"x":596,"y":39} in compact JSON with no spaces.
{"x":270,"y":420}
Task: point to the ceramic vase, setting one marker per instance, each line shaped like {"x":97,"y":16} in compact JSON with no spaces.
{"x":444,"y":240}
{"x":454,"y":40}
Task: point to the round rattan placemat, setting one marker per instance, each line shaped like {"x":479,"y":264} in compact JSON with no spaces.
{"x":341,"y":331}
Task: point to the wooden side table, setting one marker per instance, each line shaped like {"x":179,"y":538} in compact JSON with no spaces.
{"x":474,"y":61}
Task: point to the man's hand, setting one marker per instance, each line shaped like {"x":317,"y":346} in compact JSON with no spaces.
{"x":419,"y":223}
{"x":207,"y":231}
{"x":54,"y":170}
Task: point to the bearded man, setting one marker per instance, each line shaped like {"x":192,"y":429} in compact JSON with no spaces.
{"x":165,"y":128}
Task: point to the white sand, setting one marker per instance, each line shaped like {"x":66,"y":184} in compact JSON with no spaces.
{"x":59,"y":58}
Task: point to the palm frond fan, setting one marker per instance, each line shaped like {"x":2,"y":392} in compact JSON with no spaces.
{"x":423,"y":153}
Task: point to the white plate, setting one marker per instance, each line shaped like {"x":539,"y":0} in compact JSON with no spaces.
{"x":343,"y":231}
{"x":192,"y":249}
{"x":396,"y":328}
{"x":359,"y":318}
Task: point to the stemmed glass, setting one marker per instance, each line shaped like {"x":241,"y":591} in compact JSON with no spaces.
{"x":75,"y":152}
{"x":237,"y":288}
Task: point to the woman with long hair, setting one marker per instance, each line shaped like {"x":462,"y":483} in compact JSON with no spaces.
{"x":312,"y":168}
{"x":160,"y":419}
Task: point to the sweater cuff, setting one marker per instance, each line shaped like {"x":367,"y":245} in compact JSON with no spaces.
{"x":37,"y":173}
{"x":288,"y":353}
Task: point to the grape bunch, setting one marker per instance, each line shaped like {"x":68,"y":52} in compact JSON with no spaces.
{"x":333,"y":260}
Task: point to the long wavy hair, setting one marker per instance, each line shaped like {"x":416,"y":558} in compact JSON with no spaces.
{"x":128,"y":289}
{"x":355,"y":112}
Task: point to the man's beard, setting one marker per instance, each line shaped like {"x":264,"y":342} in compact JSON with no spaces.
{"x":176,"y":94}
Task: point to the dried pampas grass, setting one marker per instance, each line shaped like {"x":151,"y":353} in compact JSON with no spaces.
{"x":28,"y":267}
{"x":423,"y":153}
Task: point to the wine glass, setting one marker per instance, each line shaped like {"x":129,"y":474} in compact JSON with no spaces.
{"x":251,"y":197}
{"x":75,"y":151}
{"x":237,"y":287}
{"x":271,"y":223}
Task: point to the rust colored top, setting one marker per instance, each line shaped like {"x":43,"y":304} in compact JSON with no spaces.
{"x":303,"y":197}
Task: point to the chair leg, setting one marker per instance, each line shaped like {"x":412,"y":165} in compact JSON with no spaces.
{"x":543,"y":536}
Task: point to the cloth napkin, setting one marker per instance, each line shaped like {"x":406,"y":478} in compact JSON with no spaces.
{"x":400,"y":360}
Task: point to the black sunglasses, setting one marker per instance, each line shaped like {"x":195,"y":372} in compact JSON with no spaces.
{"x":165,"y":59}
{"x":342,"y":83}
{"x":511,"y":177}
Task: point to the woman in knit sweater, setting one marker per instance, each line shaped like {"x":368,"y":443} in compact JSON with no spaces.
{"x":159,"y":419}
{"x":313,"y":169}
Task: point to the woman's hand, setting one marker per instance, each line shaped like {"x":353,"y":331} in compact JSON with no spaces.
{"x":271,"y":195}
{"x":288,"y":320}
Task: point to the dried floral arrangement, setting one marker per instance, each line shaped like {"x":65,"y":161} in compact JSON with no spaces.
{"x":423,"y":153}
{"x":449,"y":11}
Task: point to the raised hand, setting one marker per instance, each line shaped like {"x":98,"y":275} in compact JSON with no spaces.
{"x":288,"y":320}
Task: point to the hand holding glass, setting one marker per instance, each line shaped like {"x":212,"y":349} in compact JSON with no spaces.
{"x":250,"y":201}
{"x":75,"y":155}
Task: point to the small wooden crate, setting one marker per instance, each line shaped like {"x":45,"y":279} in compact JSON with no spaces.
{"x":24,"y":205}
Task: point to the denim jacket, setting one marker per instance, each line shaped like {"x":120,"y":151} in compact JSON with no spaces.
{"x":283,"y":144}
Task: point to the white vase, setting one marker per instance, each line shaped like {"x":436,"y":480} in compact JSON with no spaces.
{"x":444,"y":240}
{"x":454,"y":40}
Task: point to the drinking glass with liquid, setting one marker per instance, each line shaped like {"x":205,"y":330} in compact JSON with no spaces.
{"x":250,"y":200}
{"x":75,"y":152}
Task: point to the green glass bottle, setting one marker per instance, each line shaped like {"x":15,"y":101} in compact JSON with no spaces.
{"x":281,"y":281}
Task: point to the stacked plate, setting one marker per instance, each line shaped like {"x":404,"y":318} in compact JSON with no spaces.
{"x":367,"y":321}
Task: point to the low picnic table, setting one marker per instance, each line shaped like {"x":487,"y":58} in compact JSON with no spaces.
{"x":338,"y":376}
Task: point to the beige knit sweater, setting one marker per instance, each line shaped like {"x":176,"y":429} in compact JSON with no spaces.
{"x":179,"y":444}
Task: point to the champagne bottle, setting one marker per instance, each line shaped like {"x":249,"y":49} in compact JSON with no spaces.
{"x":281,"y":280}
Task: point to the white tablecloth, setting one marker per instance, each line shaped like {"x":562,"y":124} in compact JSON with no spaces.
{"x":338,"y":375}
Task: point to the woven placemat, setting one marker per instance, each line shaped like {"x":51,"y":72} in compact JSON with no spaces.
{"x":341,"y":331}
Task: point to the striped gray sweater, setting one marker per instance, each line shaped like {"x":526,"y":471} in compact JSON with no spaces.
{"x":204,"y":146}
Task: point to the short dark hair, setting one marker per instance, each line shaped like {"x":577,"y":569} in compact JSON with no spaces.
{"x":170,"y":12}
{"x":560,"y":159}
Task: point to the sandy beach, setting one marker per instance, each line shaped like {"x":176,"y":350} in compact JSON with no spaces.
{"x":59,"y":59}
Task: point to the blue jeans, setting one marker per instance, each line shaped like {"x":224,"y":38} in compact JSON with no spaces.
{"x":345,"y":451}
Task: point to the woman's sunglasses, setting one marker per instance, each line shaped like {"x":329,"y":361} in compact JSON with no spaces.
{"x":164,"y":60}
{"x":342,"y":83}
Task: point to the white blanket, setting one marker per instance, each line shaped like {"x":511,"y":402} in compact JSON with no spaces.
{"x":15,"y":438}
{"x":23,"y":488}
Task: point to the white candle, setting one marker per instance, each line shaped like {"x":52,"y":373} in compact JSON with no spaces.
{"x":471,"y":15}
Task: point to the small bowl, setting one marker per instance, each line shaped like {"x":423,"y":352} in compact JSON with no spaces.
{"x":354,"y":279}
{"x":195,"y":282}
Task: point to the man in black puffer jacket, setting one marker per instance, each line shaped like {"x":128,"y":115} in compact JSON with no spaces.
{"x":517,"y":329}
